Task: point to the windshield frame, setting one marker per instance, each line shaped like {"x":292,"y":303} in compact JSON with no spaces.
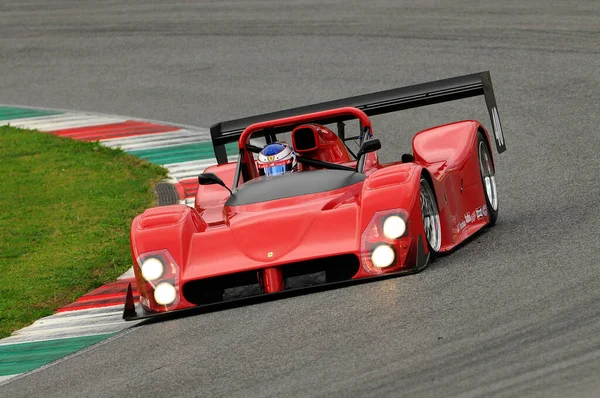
{"x":244,"y":155}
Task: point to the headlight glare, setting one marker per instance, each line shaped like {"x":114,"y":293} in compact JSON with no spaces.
{"x":394,"y":227}
{"x":383,"y":256}
{"x":165,"y":293}
{"x":152,"y":269}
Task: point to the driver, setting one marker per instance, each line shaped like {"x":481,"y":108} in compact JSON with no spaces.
{"x":277,"y":159}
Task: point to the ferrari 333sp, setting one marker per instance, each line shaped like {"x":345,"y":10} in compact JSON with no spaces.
{"x":316,"y":213}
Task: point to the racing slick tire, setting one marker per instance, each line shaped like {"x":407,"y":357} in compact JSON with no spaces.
{"x":488,"y":178}
{"x":431,"y":219}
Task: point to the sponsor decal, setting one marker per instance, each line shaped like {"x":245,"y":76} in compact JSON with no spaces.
{"x":472,"y":217}
{"x":280,"y":163}
{"x":497,"y":127}
{"x":479,"y":213}
{"x":468,"y":218}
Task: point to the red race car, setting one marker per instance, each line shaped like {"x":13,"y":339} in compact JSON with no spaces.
{"x":312,"y":213}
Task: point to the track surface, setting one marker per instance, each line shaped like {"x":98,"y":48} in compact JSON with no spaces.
{"x":512,"y":313}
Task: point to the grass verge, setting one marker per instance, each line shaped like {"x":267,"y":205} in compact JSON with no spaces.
{"x":65,"y":211}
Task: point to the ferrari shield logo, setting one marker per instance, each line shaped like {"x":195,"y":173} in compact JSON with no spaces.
{"x":270,"y":254}
{"x":271,"y":158}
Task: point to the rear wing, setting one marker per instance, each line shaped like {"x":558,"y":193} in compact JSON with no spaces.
{"x":377,"y":103}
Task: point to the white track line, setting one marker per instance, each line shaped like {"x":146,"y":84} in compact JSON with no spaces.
{"x":160,"y":140}
{"x":76,"y":330}
{"x":75,"y":323}
{"x":63,"y":121}
{"x":191,"y":169}
{"x":6,"y":378}
{"x":127,"y":275}
{"x":188,"y":201}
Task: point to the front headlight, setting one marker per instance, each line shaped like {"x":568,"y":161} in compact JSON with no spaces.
{"x":165,"y":293}
{"x":152,"y":269}
{"x":383,"y":256}
{"x":394,"y":227}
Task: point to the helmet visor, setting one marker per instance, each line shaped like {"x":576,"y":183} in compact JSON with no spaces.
{"x":274,"y":170}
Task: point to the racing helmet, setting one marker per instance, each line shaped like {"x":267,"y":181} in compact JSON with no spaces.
{"x":277,"y":159}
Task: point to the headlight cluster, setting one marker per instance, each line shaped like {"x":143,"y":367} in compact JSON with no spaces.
{"x":382,"y":243}
{"x":160,"y":275}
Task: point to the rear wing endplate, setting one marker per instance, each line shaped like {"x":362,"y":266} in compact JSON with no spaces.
{"x":376,"y":103}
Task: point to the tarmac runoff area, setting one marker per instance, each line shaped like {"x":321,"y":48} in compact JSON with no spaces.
{"x":185,"y":151}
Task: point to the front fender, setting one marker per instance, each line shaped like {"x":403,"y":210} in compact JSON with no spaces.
{"x":166,"y":227}
{"x":395,"y":187}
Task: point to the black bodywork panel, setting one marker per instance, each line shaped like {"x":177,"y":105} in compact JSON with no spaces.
{"x":289,"y":185}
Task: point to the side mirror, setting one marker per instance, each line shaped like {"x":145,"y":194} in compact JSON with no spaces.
{"x":368,"y":146}
{"x":211,"y":179}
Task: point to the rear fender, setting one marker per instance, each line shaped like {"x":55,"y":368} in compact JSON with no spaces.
{"x":450,"y":155}
{"x":449,"y":143}
{"x":450,"y":147}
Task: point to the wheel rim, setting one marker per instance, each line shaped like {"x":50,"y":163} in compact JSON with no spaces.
{"x":431,"y":217}
{"x":488,"y":176}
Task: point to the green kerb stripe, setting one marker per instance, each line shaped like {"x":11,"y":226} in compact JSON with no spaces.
{"x":24,"y":357}
{"x":182,"y":153}
{"x":7,"y":113}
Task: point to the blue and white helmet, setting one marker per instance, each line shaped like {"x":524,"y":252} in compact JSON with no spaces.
{"x":277,"y":159}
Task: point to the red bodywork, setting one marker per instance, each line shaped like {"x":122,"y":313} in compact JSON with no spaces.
{"x":215,"y":247}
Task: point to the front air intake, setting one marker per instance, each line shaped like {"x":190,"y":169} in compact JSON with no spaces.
{"x":296,"y":275}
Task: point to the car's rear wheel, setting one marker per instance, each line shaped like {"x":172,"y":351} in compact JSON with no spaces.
{"x":488,"y":178}
{"x":431,"y":219}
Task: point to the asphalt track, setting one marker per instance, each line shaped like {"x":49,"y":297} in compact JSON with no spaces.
{"x":512,"y":313}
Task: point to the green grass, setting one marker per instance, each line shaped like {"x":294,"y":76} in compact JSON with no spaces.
{"x":65,"y":211}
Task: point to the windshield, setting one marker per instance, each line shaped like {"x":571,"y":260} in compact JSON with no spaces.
{"x":264,"y":188}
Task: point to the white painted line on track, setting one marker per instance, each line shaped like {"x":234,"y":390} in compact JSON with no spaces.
{"x":191,"y":169}
{"x":160,"y":140}
{"x":128,"y":274}
{"x":62,"y":121}
{"x":74,"y":331}
{"x":189,"y":202}
{"x":62,"y":318}
{"x":4,"y":379}
{"x":74,"y":323}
